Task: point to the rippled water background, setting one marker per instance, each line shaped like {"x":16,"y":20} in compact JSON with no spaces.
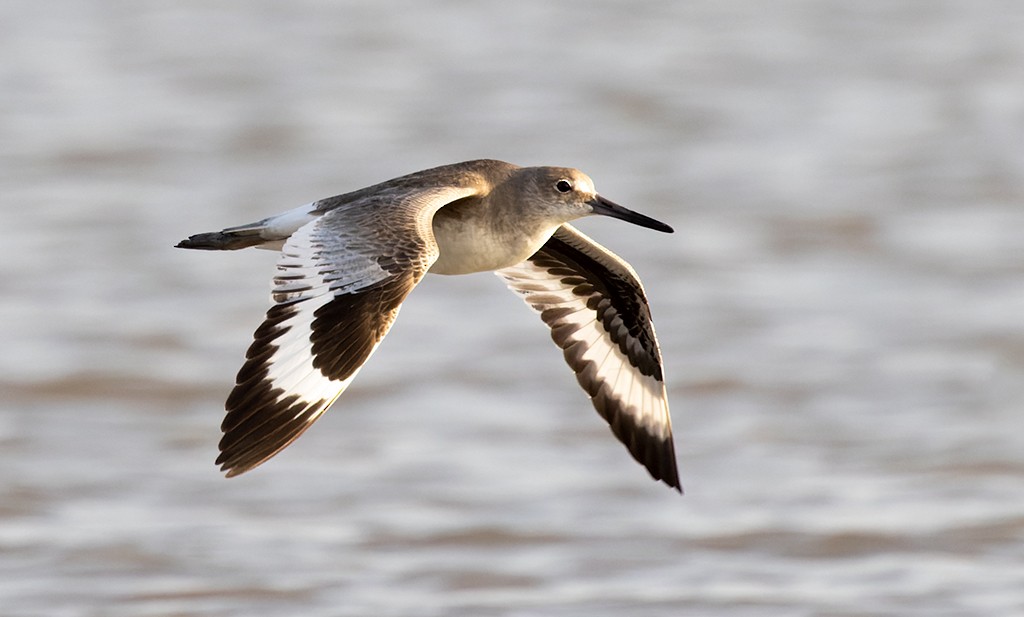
{"x":841,"y":310}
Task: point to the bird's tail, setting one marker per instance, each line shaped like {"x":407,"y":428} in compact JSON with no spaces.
{"x":269,"y":233}
{"x":226,"y":240}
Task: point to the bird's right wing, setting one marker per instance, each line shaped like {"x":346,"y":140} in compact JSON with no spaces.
{"x":340,"y":282}
{"x":598,"y":314}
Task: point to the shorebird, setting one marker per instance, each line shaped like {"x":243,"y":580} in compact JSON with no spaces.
{"x":348,"y":262}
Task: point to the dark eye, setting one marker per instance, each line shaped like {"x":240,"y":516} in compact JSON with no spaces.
{"x":563,"y":186}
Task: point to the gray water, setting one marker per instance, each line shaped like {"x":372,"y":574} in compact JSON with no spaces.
{"x":841,"y":310}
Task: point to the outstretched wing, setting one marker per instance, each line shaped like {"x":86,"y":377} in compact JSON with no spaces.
{"x":339,"y":285}
{"x":598,"y":313}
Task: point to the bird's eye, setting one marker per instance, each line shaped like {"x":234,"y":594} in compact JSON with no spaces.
{"x":563,"y":186}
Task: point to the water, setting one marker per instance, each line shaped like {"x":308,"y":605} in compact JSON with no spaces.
{"x":840,"y":310}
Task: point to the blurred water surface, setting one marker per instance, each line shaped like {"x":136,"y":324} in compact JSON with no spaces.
{"x":840,"y":310}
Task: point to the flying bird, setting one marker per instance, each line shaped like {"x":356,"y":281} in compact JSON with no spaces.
{"x":348,"y":262}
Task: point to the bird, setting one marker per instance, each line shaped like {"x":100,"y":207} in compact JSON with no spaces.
{"x":348,"y":262}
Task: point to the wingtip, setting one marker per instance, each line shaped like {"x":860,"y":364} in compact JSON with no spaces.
{"x":671,"y":480}
{"x":229,"y":470}
{"x":661,"y":464}
{"x":676,"y":485}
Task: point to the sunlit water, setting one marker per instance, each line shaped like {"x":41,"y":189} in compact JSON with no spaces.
{"x":840,"y":310}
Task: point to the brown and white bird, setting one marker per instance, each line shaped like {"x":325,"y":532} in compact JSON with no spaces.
{"x":348,"y":262}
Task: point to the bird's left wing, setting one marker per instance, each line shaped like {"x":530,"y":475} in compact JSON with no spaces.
{"x":598,"y":314}
{"x":339,"y":284}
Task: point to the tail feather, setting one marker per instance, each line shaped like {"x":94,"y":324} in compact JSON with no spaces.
{"x":269,"y":233}
{"x":227,"y":240}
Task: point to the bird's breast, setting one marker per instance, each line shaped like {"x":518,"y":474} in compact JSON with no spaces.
{"x":467,"y":246}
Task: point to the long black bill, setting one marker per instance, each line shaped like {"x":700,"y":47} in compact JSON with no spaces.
{"x":604,"y":207}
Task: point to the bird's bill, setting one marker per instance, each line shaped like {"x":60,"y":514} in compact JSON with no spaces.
{"x":604,"y":207}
